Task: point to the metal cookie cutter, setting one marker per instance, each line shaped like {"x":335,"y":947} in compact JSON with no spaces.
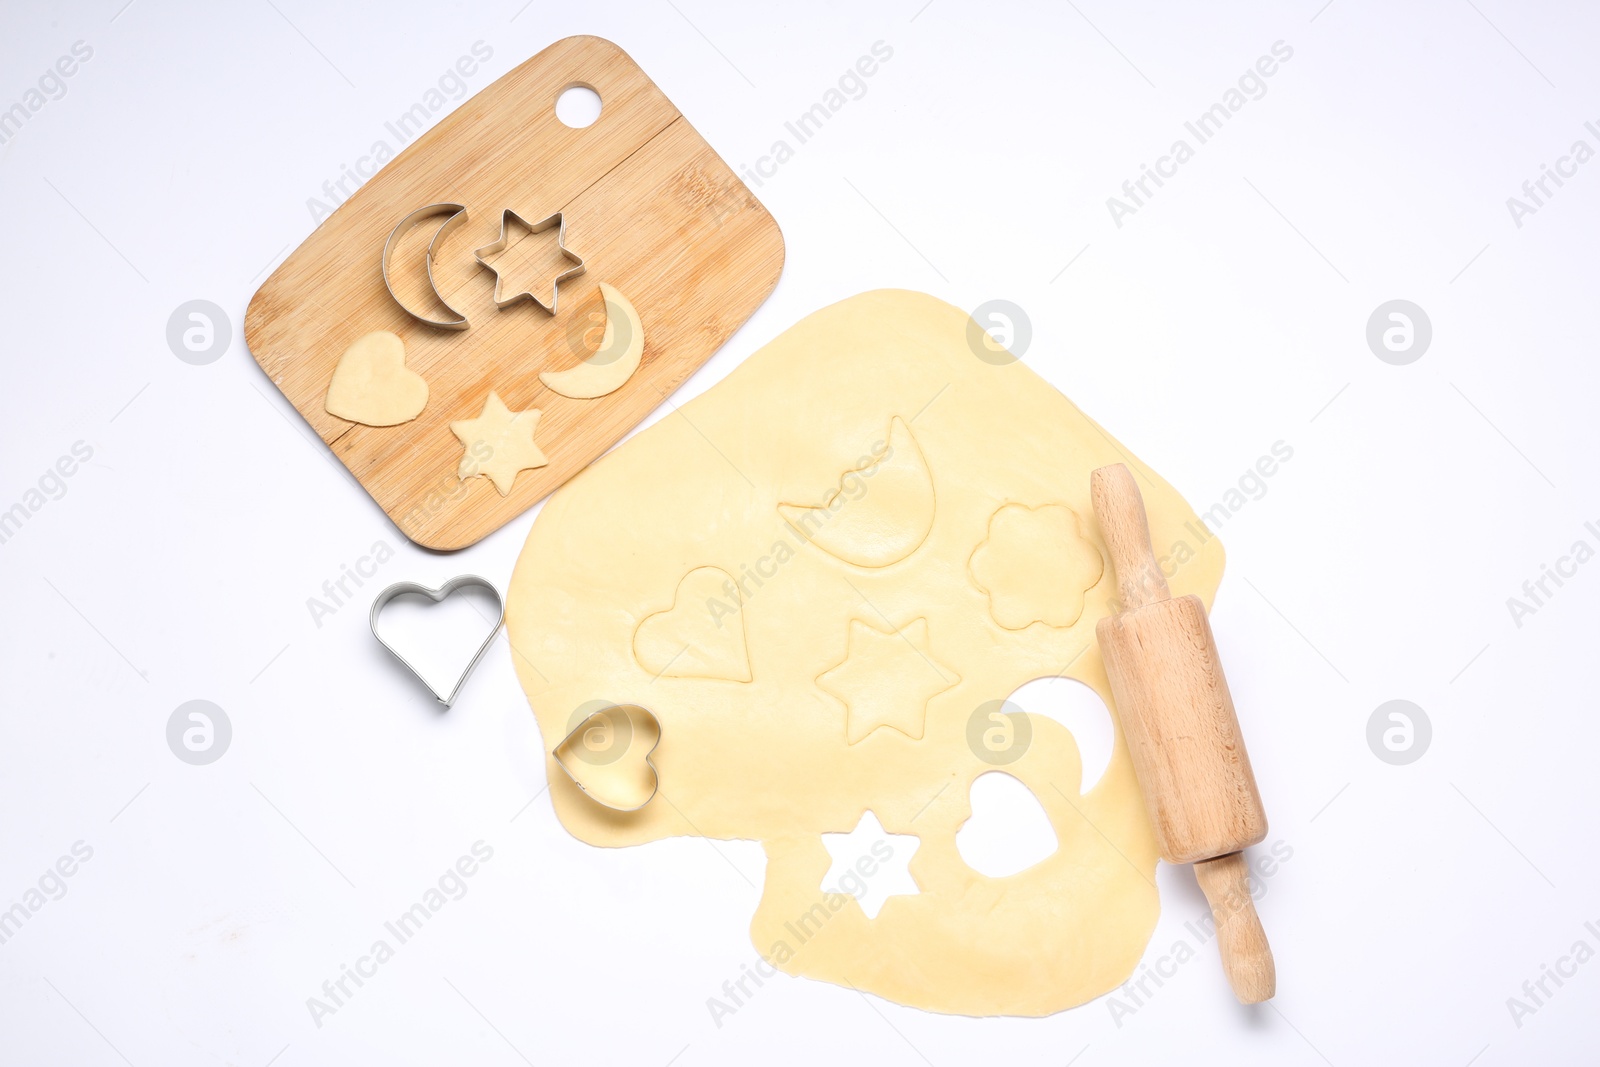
{"x":457,"y":213}
{"x":499,"y":246}
{"x":612,"y":735}
{"x":436,"y":595}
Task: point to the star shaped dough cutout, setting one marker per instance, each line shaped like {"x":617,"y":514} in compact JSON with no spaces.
{"x":870,"y":864}
{"x":887,"y":679}
{"x":498,"y":443}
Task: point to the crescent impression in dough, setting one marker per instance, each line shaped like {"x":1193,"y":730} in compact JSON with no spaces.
{"x":613,"y":363}
{"x":882,"y":510}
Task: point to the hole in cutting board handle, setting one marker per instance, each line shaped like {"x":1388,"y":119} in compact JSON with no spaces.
{"x":578,"y":106}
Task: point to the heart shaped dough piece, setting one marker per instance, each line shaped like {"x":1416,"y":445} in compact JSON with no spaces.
{"x":701,"y":635}
{"x":372,"y":385}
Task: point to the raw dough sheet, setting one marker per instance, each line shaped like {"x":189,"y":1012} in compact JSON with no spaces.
{"x":817,"y":577}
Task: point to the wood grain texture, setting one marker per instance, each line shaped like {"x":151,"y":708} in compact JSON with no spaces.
{"x":1126,"y":531}
{"x":648,"y":205}
{"x":1182,"y":732}
{"x":1246,"y":956}
{"x":1181,"y":729}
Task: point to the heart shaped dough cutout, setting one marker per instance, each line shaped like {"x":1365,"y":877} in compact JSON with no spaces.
{"x":701,"y":635}
{"x":372,"y":385}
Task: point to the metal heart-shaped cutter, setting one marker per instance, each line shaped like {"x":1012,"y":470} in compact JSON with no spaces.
{"x":436,"y":595}
{"x":629,"y":734}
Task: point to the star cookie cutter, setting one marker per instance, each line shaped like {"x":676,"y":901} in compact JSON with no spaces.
{"x":628,"y":734}
{"x":436,"y":595}
{"x":458,"y":214}
{"x":505,"y":238}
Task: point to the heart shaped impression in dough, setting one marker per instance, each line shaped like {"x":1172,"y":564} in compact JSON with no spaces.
{"x":372,"y":384}
{"x":701,"y":635}
{"x":608,"y":755}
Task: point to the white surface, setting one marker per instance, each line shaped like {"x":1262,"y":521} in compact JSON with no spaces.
{"x":1009,"y":830}
{"x":1078,"y":708}
{"x":1226,"y":315}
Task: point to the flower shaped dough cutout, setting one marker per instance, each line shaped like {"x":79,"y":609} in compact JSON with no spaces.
{"x":1035,"y":566}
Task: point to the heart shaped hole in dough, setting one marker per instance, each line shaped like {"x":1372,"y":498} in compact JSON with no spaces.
{"x":1008,"y":831}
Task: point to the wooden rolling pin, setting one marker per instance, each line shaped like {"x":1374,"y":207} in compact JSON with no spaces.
{"x":1180,"y":726}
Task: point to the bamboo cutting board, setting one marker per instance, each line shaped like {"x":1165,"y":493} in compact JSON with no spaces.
{"x":649,"y":206}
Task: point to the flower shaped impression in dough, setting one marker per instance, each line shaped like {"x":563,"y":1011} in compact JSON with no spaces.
{"x":1035,"y":566}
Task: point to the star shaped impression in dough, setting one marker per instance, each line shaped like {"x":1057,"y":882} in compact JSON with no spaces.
{"x":498,"y":443}
{"x":886,"y":679}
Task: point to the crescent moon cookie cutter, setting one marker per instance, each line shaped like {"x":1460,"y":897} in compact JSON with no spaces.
{"x":437,"y":595}
{"x":615,"y":771}
{"x":458,"y":214}
{"x":560,"y":225}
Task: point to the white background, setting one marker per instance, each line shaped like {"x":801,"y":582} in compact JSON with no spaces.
{"x":1229,"y":313}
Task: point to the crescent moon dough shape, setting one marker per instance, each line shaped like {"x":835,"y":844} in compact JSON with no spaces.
{"x":882,"y":510}
{"x":613,"y":363}
{"x":770,"y":759}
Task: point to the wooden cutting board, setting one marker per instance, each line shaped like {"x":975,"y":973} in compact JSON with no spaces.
{"x":649,"y":206}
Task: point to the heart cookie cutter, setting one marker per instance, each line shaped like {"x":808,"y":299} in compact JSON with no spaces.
{"x":627,"y":730}
{"x":437,"y":595}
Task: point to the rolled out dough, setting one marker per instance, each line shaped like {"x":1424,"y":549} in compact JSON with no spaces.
{"x":804,"y":678}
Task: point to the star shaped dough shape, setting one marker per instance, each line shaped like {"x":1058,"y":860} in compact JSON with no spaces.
{"x":887,"y":679}
{"x":507,"y":438}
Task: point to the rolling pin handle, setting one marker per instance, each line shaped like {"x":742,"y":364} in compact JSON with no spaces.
{"x":1120,"y":509}
{"x":1246,"y":956}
